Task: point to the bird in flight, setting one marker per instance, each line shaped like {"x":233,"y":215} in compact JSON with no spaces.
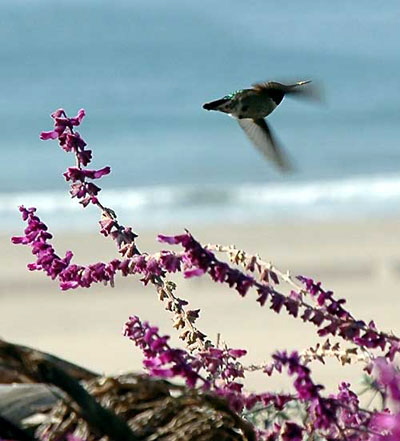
{"x":251,"y":106}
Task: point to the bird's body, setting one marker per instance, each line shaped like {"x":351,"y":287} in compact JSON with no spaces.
{"x":251,"y":106}
{"x":246,"y":103}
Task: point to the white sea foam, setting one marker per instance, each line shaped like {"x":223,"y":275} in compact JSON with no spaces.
{"x":158,"y":206}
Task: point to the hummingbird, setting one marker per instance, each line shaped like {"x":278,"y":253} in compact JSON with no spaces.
{"x":250,"y":106}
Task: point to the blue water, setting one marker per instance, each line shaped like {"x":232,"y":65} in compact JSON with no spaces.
{"x":143,"y":69}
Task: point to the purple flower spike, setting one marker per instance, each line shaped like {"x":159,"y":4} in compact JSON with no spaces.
{"x":71,"y":141}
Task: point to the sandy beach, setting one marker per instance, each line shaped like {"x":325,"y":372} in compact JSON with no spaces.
{"x":360,"y":261}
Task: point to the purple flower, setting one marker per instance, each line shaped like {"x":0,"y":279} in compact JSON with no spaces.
{"x":312,"y":287}
{"x":219,"y":272}
{"x":237,"y":353}
{"x":53,"y":134}
{"x":96,"y":174}
{"x":263,"y":294}
{"x":317,"y":318}
{"x":107,"y":225}
{"x":170,"y":262}
{"x":84,"y":157}
{"x":78,"y":118}
{"x":76,"y":174}
{"x":388,"y":425}
{"x":244,"y":284}
{"x":394,"y":348}
{"x":371,"y":339}
{"x":195,"y":272}
{"x":277,"y":301}
{"x":72,"y":142}
{"x":330,"y":329}
{"x":292,"y":306}
{"x":174,"y":240}
{"x":61,"y":123}
{"x":72,"y":284}
{"x":389,"y":377}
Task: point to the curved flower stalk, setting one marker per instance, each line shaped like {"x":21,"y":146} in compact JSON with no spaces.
{"x":329,"y":315}
{"x":87,"y":193}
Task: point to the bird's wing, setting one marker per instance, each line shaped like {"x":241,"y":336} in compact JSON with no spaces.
{"x":261,"y":136}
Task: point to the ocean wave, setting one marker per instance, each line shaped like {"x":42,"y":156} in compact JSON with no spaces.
{"x":157,"y":206}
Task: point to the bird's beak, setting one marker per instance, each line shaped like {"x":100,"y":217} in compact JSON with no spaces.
{"x":213,"y":105}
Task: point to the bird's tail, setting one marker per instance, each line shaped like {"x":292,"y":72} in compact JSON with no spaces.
{"x":300,"y":88}
{"x":304,"y":89}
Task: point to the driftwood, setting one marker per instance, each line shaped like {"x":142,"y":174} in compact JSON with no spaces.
{"x":10,"y":365}
{"x":126,"y":407}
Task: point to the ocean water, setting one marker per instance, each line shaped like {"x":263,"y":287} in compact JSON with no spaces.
{"x":142,"y":71}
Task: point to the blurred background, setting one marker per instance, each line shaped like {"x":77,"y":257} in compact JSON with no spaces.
{"x":142,"y":70}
